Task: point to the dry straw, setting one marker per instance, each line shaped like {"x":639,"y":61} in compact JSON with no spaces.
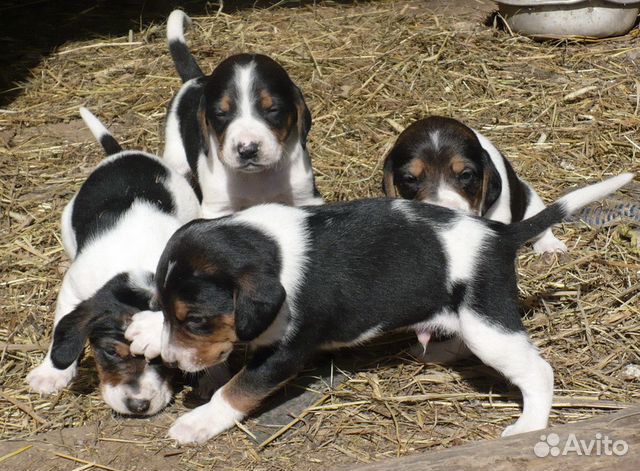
{"x":566,"y":113}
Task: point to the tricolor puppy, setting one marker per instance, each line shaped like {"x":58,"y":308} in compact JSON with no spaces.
{"x":441,"y":161}
{"x":290,"y":281}
{"x":114,"y":229}
{"x":239,"y":134}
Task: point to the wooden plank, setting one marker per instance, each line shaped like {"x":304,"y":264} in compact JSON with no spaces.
{"x":605,"y":433}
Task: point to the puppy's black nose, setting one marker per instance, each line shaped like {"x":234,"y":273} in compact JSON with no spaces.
{"x":248,"y":151}
{"x":138,"y":406}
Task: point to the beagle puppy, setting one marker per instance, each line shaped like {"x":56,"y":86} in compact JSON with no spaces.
{"x":239,"y":134}
{"x":291,"y":281}
{"x":441,"y":161}
{"x":114,"y":230}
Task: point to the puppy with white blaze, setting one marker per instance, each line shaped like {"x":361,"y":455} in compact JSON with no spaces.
{"x":291,"y":281}
{"x":442,"y":161}
{"x":114,"y":230}
{"x":239,"y":134}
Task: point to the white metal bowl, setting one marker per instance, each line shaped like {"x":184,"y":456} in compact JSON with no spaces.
{"x":561,"y":18}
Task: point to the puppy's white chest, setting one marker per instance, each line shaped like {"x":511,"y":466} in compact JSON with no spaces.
{"x":226,"y":191}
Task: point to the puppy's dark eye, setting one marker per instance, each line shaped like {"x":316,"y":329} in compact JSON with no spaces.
{"x":465,"y":176}
{"x":220,"y":114}
{"x":197,"y":323}
{"x":409,"y":178}
{"x":111,"y":353}
{"x":272,"y":110}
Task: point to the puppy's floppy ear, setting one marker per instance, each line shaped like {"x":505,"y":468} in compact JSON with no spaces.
{"x":304,"y":117}
{"x":203,"y":123}
{"x":387,"y":179}
{"x":259,"y":299}
{"x":70,"y":336}
{"x":491,"y":184}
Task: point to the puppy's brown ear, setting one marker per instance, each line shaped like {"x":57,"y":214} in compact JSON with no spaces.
{"x":70,"y":336}
{"x":259,"y":299}
{"x":491,"y":184}
{"x":304,"y":117}
{"x":387,"y":178}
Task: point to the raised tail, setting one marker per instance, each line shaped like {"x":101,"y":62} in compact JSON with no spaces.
{"x":523,"y":231}
{"x":185,"y":63}
{"x":100,"y":132}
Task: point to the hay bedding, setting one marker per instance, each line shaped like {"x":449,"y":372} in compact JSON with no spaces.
{"x":565,"y":113}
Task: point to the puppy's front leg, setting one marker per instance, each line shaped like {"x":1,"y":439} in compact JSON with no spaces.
{"x":213,"y":379}
{"x":309,"y":200}
{"x":145,"y":333}
{"x":266,"y":371}
{"x":47,"y":379}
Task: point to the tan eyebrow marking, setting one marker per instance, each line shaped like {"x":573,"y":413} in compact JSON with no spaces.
{"x":416,"y":167}
{"x":225,"y":103}
{"x":266,"y":100}
{"x":457,"y":164}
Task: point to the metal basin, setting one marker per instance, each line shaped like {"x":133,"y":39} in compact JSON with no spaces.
{"x":562,"y":18}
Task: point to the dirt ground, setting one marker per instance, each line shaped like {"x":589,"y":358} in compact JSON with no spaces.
{"x":367,"y":70}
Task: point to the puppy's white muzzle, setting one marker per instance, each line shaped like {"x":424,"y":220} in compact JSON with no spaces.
{"x":250,"y":146}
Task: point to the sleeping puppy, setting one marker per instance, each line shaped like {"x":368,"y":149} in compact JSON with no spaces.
{"x":114,"y":229}
{"x":239,"y":134}
{"x":291,"y":281}
{"x":441,"y":161}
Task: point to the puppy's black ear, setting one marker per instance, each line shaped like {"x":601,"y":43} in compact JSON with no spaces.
{"x":387,"y":178}
{"x":491,"y":184}
{"x":203,"y":124}
{"x":259,"y":299}
{"x":70,"y":336}
{"x":304,"y":117}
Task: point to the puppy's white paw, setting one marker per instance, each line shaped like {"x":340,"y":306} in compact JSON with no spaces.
{"x":193,"y":427}
{"x":523,"y":427}
{"x":548,"y":243}
{"x":197,"y":426}
{"x":206,"y":421}
{"x":509,"y":431}
{"x":145,"y":333}
{"x":47,"y":379}
{"x":516,"y":429}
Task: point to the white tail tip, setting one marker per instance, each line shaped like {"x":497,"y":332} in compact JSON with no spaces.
{"x":582,"y":197}
{"x":175,"y":25}
{"x":94,"y":124}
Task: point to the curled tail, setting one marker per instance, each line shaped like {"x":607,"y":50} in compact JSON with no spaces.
{"x":185,"y":63}
{"x":100,"y":132}
{"x":521,"y":232}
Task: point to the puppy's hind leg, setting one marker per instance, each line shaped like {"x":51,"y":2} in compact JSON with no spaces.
{"x":546,"y":242}
{"x":512,"y":354}
{"x":442,"y":352}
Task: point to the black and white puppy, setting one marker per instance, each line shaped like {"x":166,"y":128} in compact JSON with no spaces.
{"x":442,"y":161}
{"x":239,"y":134}
{"x":114,"y":229}
{"x":290,"y":281}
